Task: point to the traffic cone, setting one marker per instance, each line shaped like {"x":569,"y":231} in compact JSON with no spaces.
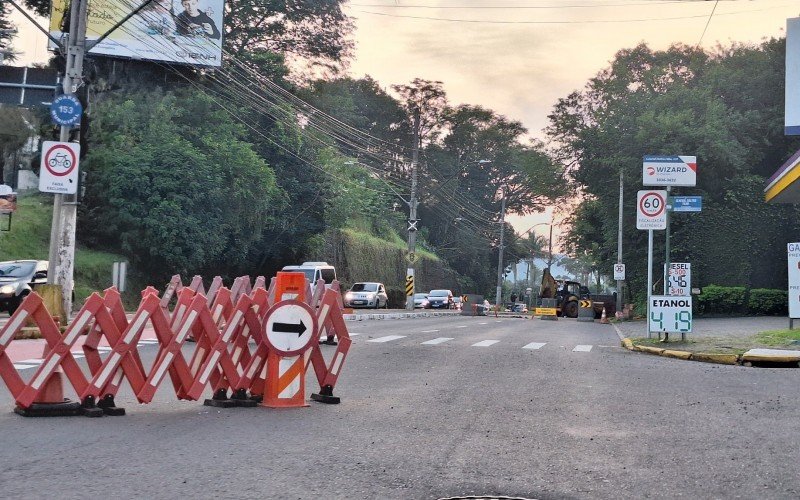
{"x":603,"y":318}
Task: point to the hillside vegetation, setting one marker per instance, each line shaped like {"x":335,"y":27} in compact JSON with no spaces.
{"x":29,"y":238}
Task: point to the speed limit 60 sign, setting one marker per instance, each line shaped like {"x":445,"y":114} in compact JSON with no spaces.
{"x":651,"y":210}
{"x":59,"y":167}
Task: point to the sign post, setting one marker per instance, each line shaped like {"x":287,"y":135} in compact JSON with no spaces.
{"x":290,"y":326}
{"x":651,"y":214}
{"x":793,"y":254}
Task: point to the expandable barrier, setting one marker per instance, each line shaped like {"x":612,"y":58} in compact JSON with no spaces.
{"x":230,"y":354}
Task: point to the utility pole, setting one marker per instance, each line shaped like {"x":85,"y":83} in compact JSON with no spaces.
{"x":619,"y":244}
{"x":412,"y":215}
{"x":500,"y":256}
{"x":62,"y":231}
{"x":550,"y":246}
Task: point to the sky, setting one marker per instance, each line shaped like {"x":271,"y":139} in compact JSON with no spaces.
{"x":518,"y":57}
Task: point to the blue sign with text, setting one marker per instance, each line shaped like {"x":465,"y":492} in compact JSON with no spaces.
{"x":66,"y":110}
{"x":687,"y":203}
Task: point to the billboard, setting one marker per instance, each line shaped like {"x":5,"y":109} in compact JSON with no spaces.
{"x":183,"y":32}
{"x":669,"y":171}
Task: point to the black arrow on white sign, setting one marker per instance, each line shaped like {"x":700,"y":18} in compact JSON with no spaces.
{"x":298,"y":328}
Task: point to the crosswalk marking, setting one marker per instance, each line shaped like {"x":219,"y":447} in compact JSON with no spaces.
{"x":485,"y":343}
{"x":388,"y":338}
{"x":440,"y":340}
{"x":534,"y":345}
{"x":484,"y":323}
{"x":582,"y":348}
{"x":354,"y":334}
{"x":462,"y":326}
{"x":20,"y":366}
{"x":429,"y":331}
{"x":34,"y":361}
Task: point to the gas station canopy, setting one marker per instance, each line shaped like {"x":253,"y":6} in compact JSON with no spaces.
{"x":784,"y":185}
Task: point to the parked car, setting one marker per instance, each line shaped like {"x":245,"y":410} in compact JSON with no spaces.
{"x":421,"y":301}
{"x":457,"y":303}
{"x":367,"y":294}
{"x":440,"y":299}
{"x":17,"y":278}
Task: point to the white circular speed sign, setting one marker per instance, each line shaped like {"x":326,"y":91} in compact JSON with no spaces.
{"x":652,"y":204}
{"x":290,"y":327}
{"x":651,"y":210}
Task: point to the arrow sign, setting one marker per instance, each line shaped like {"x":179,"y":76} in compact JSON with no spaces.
{"x":298,"y":328}
{"x":290,"y":326}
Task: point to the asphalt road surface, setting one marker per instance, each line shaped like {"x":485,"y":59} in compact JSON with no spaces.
{"x":442,"y":407}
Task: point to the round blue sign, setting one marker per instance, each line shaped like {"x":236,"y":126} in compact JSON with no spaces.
{"x":66,"y":110}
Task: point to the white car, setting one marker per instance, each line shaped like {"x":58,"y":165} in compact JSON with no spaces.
{"x":367,"y":294}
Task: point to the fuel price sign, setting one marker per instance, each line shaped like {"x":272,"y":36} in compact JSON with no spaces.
{"x":670,"y":314}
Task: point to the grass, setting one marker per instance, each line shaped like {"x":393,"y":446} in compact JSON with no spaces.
{"x":29,"y":238}
{"x":721,"y":345}
{"x":778,"y":337}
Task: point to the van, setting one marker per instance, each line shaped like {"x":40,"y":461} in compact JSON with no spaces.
{"x":315,"y":271}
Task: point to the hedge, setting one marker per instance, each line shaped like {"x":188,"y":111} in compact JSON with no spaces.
{"x":739,"y":301}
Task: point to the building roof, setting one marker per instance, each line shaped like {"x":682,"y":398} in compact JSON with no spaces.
{"x":783,"y":186}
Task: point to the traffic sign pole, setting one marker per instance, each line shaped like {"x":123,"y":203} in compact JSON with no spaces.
{"x":666,"y":245}
{"x":649,"y":276}
{"x":62,"y":230}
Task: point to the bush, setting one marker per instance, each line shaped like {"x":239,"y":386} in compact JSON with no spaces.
{"x":768,"y":302}
{"x":722,"y":300}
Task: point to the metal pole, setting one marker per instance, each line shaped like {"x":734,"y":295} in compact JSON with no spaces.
{"x":550,"y":247}
{"x":499,"y":294}
{"x":62,"y":231}
{"x":412,"y":211}
{"x":649,"y":277}
{"x":619,"y":243}
{"x":666,"y":246}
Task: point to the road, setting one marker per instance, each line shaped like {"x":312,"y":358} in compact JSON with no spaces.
{"x":515,"y":407}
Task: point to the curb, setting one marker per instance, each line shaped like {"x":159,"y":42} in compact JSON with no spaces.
{"x":720,"y":359}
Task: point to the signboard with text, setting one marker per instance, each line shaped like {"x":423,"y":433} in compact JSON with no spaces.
{"x":686,"y":203}
{"x":164,"y":30}
{"x":669,"y":171}
{"x":651,"y":210}
{"x":670,"y":314}
{"x":619,"y":272}
{"x":680,"y":279}
{"x":58,"y":171}
{"x":793,"y":253}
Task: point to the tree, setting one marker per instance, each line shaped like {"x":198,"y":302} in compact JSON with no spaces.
{"x":172,"y":183}
{"x":680,"y":101}
{"x":7,"y":33}
{"x":316,"y":32}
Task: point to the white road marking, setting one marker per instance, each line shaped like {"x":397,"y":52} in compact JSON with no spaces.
{"x":148,"y":341}
{"x":440,"y":340}
{"x":353,"y":334}
{"x":388,"y":338}
{"x":33,"y":361}
{"x":534,"y":345}
{"x":20,"y":366}
{"x":582,"y":348}
{"x":485,"y":343}
{"x":462,"y":326}
{"x":429,"y":331}
{"x":484,"y":323}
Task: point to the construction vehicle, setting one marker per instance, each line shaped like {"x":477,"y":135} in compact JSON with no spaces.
{"x":569,"y":294}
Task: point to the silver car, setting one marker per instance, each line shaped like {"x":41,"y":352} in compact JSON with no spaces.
{"x":17,"y":278}
{"x":421,"y":301}
{"x":367,"y":294}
